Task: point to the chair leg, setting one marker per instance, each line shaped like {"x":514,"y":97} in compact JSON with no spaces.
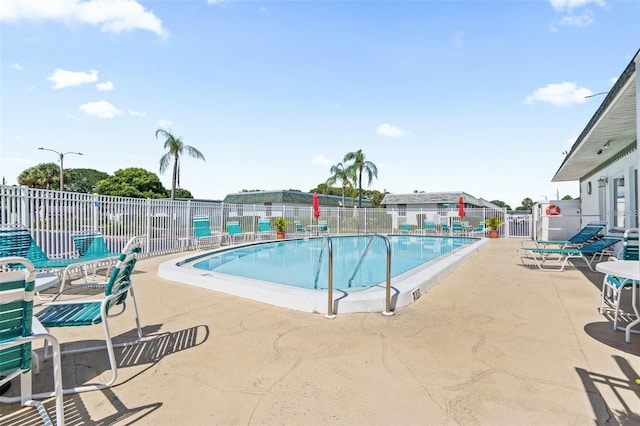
{"x":26,"y":398}
{"x":109,"y":346}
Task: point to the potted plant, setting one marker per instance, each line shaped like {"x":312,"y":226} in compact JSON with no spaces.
{"x":280,"y":223}
{"x":493,"y":222}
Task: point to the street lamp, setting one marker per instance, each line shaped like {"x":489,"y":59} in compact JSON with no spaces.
{"x":61,"y":155}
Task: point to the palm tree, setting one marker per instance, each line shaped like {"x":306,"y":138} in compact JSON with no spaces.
{"x":175,"y":147}
{"x":44,"y":176}
{"x":342,"y":173}
{"x":359,"y":165}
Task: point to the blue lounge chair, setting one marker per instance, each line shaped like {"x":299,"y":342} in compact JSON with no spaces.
{"x":613,"y":287}
{"x":17,"y":241}
{"x":91,"y":246}
{"x":323,"y":226}
{"x":264,"y":229}
{"x":118,"y":295}
{"x":17,"y":332}
{"x":236,"y":234}
{"x":481,"y":229}
{"x":588,"y":233}
{"x":429,"y":227}
{"x":404,"y":227}
{"x":457,"y":228}
{"x":202,"y":234}
{"x":588,"y":252}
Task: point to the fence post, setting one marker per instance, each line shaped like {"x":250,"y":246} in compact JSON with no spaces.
{"x":24,"y":201}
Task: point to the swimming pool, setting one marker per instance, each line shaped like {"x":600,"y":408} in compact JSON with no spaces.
{"x":266,"y":271}
{"x":304,"y":263}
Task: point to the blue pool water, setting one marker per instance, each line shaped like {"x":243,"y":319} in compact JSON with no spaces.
{"x":304,"y":263}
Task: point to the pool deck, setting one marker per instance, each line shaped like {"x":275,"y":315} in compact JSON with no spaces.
{"x":494,"y":343}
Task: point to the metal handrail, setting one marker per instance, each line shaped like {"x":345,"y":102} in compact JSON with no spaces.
{"x":329,"y":314}
{"x":315,"y":282}
{"x":387,"y":311}
{"x":364,"y":254}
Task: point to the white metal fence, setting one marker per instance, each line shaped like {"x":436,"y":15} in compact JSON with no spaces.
{"x":53,"y":216}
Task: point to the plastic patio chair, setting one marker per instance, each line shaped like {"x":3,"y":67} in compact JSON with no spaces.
{"x":88,"y":312}
{"x":18,"y":330}
{"x":613,"y":287}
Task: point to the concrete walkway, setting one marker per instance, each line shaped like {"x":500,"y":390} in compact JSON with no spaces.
{"x":494,"y":343}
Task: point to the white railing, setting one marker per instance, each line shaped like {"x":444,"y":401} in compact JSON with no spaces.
{"x":53,"y":216}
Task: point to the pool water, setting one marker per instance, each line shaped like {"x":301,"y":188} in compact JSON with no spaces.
{"x":304,"y":263}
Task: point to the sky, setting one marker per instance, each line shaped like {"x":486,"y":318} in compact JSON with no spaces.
{"x":484,"y":97}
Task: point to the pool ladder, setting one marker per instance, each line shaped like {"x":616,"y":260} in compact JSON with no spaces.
{"x":330,"y":314}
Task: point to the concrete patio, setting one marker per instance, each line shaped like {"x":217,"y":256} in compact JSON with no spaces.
{"x":494,"y":343}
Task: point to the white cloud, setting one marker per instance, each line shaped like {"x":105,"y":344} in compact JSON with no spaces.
{"x":581,"y":21}
{"x":568,"y":5}
{"x":391,"y":131}
{"x":101,"y":109}
{"x":559,"y":94}
{"x":321,"y":160}
{"x":136,"y":113}
{"x":64,"y":78}
{"x":16,"y":66}
{"x":111,"y":15}
{"x":107,"y":86}
{"x":165,"y":124}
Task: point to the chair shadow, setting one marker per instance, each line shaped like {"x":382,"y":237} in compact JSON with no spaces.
{"x":618,"y":386}
{"x":154,"y":347}
{"x":75,"y":412}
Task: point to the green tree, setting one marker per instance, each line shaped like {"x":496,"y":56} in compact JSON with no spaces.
{"x":183,"y":193}
{"x":359,"y":165}
{"x":43,"y":176}
{"x":567,"y":197}
{"x":83,"y":180}
{"x":501,"y":204}
{"x":132,"y":182}
{"x":343,"y":174}
{"x":527,"y":204}
{"x":175,"y":148}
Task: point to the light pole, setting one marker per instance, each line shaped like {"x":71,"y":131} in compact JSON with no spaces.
{"x":61,"y":155}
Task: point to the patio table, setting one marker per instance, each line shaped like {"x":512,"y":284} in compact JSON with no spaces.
{"x":629,"y":269}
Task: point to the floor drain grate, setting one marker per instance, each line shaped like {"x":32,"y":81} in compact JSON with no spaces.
{"x":415,"y":294}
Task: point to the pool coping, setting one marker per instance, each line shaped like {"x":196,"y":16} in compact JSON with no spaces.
{"x":405,"y":288}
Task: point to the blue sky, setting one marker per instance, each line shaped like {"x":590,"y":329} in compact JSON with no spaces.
{"x":475,"y":96}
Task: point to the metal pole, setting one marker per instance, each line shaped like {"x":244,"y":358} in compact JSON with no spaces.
{"x":61,"y":156}
{"x":61,"y":172}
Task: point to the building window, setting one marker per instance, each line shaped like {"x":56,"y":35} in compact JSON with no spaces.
{"x":619,"y":202}
{"x":267,"y":209}
{"x":402,"y":210}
